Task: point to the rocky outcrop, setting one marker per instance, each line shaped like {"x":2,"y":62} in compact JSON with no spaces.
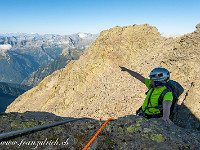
{"x":198,"y":27}
{"x":127,"y":132}
{"x":95,"y":87}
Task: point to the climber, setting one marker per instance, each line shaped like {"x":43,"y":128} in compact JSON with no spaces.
{"x":156,"y":85}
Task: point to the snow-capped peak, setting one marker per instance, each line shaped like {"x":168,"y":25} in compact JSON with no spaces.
{"x":174,"y":35}
{"x":82,"y":35}
{"x":5,"y":47}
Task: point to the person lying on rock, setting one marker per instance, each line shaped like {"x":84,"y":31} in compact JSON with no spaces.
{"x":156,"y":85}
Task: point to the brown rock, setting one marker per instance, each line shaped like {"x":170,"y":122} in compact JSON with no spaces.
{"x":198,"y":26}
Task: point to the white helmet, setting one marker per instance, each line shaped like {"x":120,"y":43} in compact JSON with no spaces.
{"x":160,"y":74}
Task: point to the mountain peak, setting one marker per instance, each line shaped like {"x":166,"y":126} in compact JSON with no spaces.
{"x":5,"y":47}
{"x":94,"y":85}
{"x":82,"y":35}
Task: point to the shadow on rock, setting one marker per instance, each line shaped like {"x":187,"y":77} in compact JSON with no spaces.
{"x":185,"y":118}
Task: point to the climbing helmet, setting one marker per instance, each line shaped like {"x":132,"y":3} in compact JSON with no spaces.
{"x":160,"y":74}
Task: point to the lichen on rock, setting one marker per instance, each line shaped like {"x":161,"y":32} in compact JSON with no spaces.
{"x":121,"y":133}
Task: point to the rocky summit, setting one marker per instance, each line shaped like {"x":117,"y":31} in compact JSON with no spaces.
{"x":94,"y":86}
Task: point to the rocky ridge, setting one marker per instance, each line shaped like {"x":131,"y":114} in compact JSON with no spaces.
{"x":95,"y":87}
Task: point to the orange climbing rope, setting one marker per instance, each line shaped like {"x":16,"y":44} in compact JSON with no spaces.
{"x":90,"y":142}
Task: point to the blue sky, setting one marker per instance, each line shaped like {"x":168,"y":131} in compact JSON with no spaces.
{"x":93,"y":16}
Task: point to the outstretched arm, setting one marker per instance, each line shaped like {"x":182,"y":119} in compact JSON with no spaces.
{"x":134,"y":74}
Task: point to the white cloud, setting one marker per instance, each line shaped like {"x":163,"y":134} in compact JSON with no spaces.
{"x":5,"y":47}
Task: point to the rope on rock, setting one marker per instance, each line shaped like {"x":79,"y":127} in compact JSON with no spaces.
{"x":90,"y":142}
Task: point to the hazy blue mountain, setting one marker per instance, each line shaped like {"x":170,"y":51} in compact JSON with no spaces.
{"x":9,"y":92}
{"x":21,"y":54}
{"x":14,"y":66}
{"x":60,"y":62}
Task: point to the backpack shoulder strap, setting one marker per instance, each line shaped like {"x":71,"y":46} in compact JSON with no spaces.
{"x":160,"y":99}
{"x":150,"y":87}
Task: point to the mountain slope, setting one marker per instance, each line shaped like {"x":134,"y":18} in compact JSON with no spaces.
{"x":60,"y":62}
{"x":9,"y":92}
{"x":94,"y":85}
{"x":14,"y":66}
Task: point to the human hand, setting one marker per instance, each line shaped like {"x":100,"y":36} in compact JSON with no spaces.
{"x":123,"y":68}
{"x":167,"y":120}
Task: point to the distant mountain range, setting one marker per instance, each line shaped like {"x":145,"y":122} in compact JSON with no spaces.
{"x":175,"y":35}
{"x":21,"y":54}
